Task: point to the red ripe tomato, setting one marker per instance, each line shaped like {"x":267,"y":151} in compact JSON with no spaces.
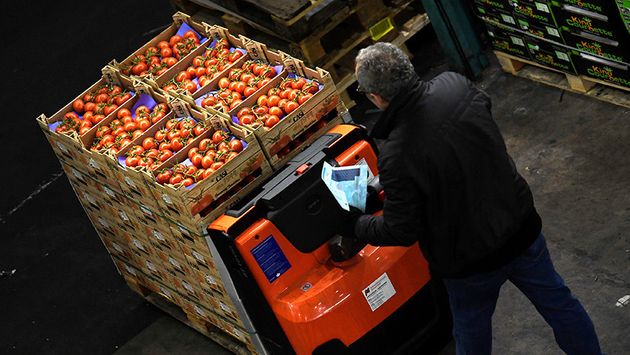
{"x":197,"y":160}
{"x":174,"y":40}
{"x":204,"y":144}
{"x":139,"y":68}
{"x":310,"y":88}
{"x":176,"y":179}
{"x":122,"y":113}
{"x":302,"y":99}
{"x":298,"y":83}
{"x":130,"y":126}
{"x":271,"y":121}
{"x":247,"y":119}
{"x":182,"y":76}
{"x":103,"y":130}
{"x":166,"y":52}
{"x":190,"y":86}
{"x":172,"y":134}
{"x":160,"y":135}
{"x":171,"y":124}
{"x":163,"y":176}
{"x":169,"y":61}
{"x":101,"y":98}
{"x":148,"y":143}
{"x":144,"y":124}
{"x":163,"y":44}
{"x":192,"y":152}
{"x":190,"y":34}
{"x":78,"y":105}
{"x":209,"y":101}
{"x":132,"y":161}
{"x":142,"y":111}
{"x":165,"y":146}
{"x":223,"y":147}
{"x":224,"y":83}
{"x":291,"y":106}
{"x":219,"y":136}
{"x":164,"y":155}
{"x":89,"y":106}
{"x":136,"y":150}
{"x":236,"y":145}
{"x":276,"y":111}
{"x":273,"y":100}
{"x":177,"y":144}
{"x":206,"y":162}
{"x":187,"y":182}
{"x":198,"y":130}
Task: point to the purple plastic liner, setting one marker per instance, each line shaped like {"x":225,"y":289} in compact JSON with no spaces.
{"x":54,"y":125}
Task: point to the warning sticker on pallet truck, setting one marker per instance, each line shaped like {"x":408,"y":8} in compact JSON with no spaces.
{"x":378,"y":292}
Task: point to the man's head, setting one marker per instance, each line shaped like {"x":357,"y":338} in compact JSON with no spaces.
{"x":383,"y":71}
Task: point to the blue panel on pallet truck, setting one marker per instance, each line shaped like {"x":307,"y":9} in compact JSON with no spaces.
{"x":271,"y":259}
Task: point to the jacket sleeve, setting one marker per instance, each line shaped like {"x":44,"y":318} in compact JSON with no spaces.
{"x":399,"y":225}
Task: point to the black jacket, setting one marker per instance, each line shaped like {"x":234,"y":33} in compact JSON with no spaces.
{"x":449,"y":181}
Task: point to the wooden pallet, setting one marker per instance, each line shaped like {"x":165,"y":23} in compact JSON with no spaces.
{"x":191,"y":320}
{"x":581,"y":84}
{"x":290,"y":19}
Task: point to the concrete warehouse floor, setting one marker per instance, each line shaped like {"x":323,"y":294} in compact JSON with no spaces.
{"x":65,"y":296}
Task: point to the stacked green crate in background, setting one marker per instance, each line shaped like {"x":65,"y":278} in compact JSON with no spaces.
{"x":586,"y":37}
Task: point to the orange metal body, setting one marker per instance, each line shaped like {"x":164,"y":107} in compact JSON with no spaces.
{"x":317,"y":300}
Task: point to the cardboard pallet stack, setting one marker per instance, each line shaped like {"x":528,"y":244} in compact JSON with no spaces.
{"x":156,"y":234}
{"x":587,"y":38}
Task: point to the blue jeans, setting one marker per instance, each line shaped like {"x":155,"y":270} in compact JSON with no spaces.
{"x":473,"y":300}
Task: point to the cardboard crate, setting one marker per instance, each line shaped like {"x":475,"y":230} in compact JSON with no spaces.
{"x":115,"y":67}
{"x":508,"y":40}
{"x":215,"y":32}
{"x":603,"y":71}
{"x":199,"y":258}
{"x":274,"y":139}
{"x":129,"y":271}
{"x":550,"y":54}
{"x":187,"y":205}
{"x":161,"y":239}
{"x":255,"y":51}
{"x":210,"y":281}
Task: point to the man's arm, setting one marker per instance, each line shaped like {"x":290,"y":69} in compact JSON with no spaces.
{"x":400,"y":223}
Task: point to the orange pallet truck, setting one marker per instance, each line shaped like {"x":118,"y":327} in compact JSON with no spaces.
{"x":275,"y":250}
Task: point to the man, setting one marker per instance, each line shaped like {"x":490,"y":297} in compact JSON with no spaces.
{"x":451,"y":186}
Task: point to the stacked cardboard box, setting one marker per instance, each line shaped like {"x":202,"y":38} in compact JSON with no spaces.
{"x":586,"y":37}
{"x":156,"y":233}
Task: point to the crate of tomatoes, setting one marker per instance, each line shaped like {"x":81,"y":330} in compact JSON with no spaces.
{"x":286,"y":107}
{"x":204,"y":66}
{"x":160,"y":54}
{"x":241,"y":80}
{"x":205,"y":177}
{"x":67,"y":128}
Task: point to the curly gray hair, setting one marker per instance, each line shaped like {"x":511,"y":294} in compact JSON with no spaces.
{"x":383,"y":69}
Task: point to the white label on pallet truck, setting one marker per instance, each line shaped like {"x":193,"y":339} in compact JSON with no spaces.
{"x":378,"y":292}
{"x":364,"y":162}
